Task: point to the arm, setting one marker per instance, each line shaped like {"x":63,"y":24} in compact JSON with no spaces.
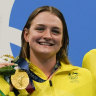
{"x":5,"y":63}
{"x":89,"y":62}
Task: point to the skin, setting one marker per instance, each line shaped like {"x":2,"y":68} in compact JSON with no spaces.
{"x":5,"y":64}
{"x":45,"y":40}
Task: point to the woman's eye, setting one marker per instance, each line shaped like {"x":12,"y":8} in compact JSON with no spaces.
{"x":40,"y":29}
{"x":55,"y":32}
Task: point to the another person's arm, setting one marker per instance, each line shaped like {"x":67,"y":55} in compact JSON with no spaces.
{"x":89,"y":62}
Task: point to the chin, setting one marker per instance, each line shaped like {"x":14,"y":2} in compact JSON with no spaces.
{"x":44,"y":52}
{"x":48,"y":53}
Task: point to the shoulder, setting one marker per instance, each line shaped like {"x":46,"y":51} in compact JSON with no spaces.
{"x":84,"y":71}
{"x":90,"y":54}
{"x":81,"y":72}
{"x":89,"y":60}
{"x":84,"y":75}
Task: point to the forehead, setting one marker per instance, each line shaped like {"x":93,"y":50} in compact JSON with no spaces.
{"x":47,"y":18}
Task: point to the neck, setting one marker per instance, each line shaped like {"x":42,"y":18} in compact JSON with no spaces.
{"x":45,"y":63}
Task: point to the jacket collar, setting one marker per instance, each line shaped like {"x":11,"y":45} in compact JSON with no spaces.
{"x":63,"y":68}
{"x":67,"y":67}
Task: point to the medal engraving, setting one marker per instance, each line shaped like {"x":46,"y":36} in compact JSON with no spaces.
{"x":20,"y":80}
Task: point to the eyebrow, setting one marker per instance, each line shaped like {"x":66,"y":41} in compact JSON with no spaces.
{"x":57,"y":28}
{"x":40,"y":25}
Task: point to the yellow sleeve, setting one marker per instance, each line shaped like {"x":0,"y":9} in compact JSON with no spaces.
{"x":89,"y":62}
{"x":4,"y":86}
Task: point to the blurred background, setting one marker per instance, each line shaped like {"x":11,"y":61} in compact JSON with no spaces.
{"x":80,"y":16}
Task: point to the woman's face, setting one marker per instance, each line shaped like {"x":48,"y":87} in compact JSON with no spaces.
{"x":45,"y":34}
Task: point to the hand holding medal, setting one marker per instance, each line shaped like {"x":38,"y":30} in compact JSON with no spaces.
{"x":20,"y":79}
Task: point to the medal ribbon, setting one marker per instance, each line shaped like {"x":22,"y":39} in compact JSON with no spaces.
{"x":24,"y":65}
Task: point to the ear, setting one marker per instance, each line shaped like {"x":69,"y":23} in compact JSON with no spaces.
{"x":26,"y":35}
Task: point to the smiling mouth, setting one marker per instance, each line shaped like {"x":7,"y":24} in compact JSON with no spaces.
{"x":46,"y":43}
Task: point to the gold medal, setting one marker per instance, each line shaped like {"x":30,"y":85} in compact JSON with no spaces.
{"x":20,"y":80}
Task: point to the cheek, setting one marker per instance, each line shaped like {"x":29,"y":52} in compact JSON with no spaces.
{"x":33,"y":38}
{"x":59,"y":42}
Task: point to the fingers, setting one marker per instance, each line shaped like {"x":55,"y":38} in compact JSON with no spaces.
{"x":6,"y":64}
{"x":1,"y":66}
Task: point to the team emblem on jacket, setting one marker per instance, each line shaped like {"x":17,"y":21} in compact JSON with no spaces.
{"x":73,"y":76}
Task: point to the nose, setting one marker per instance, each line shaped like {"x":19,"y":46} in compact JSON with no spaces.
{"x":47,"y":34}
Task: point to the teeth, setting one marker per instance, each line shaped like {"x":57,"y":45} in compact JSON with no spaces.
{"x":43,"y":43}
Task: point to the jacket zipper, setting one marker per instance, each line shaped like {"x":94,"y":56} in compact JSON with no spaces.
{"x":50,"y":83}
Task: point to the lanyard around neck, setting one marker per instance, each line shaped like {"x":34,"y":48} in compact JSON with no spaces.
{"x":24,"y":65}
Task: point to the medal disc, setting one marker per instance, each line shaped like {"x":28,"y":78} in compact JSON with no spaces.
{"x":20,"y":79}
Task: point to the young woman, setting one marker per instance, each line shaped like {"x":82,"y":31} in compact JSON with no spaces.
{"x":43,"y":58}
